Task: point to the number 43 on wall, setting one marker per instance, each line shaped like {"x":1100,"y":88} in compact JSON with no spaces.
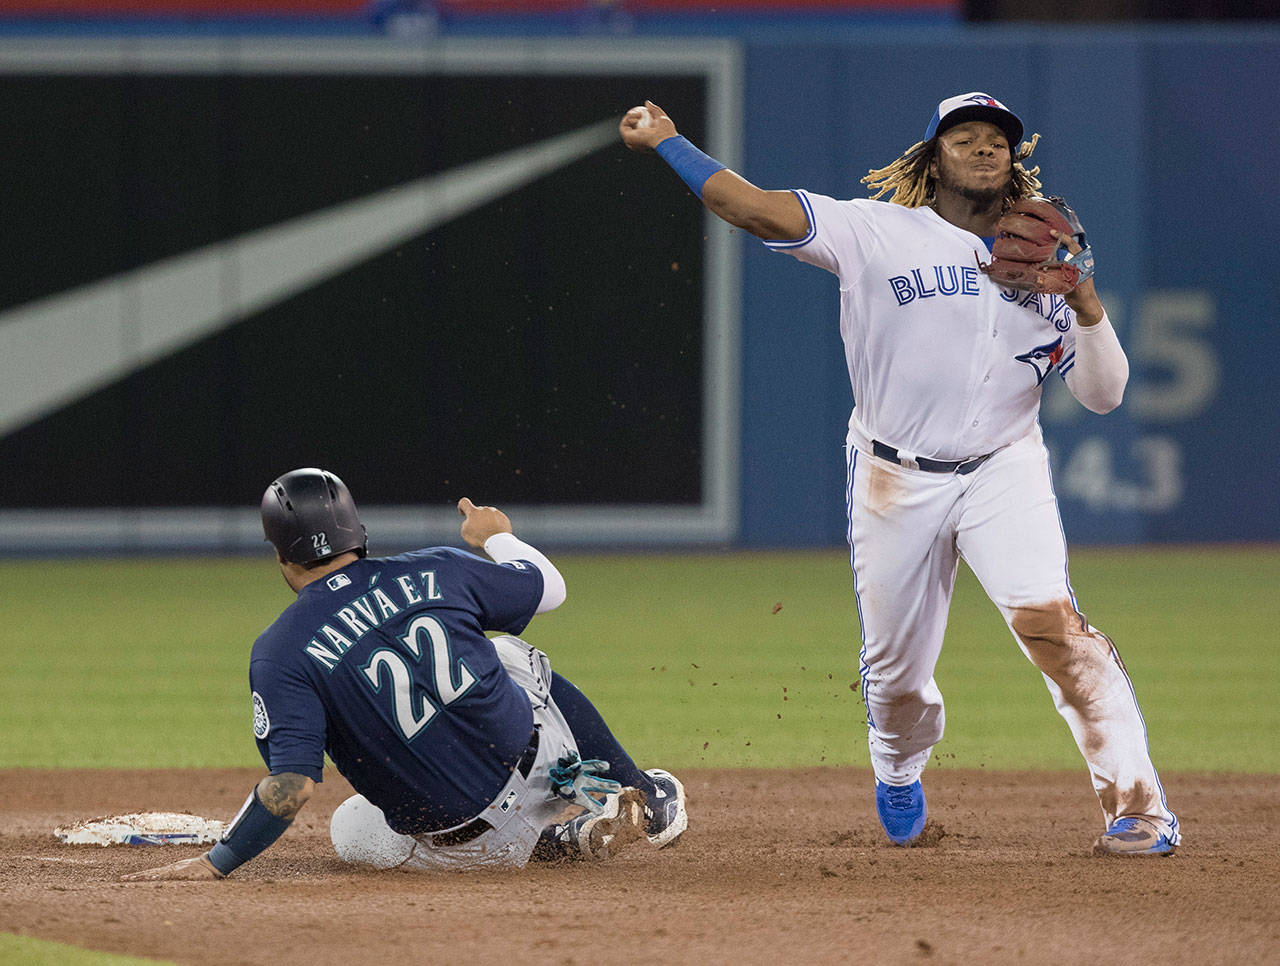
{"x":1089,"y":475}
{"x":1175,"y":377}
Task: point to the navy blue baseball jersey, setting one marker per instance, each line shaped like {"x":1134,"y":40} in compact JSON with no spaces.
{"x":384,"y":664}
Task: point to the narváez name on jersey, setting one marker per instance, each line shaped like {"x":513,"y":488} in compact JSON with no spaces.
{"x":352,"y":622}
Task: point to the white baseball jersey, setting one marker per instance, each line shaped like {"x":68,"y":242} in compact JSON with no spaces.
{"x":943,"y":362}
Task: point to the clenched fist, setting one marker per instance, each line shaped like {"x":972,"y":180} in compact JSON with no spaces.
{"x":643,"y":128}
{"x":479,"y":523}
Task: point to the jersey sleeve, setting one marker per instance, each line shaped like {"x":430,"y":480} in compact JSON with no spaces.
{"x":505,"y":595}
{"x":288,"y":719}
{"x":838,"y":239}
{"x":507,"y":547}
{"x":1099,"y":381}
{"x":1068,"y":360}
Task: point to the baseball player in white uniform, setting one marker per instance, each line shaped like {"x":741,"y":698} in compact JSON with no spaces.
{"x":944,"y":451}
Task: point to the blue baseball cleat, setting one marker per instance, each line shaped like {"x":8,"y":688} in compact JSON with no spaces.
{"x":1130,"y":835}
{"x":665,"y":815}
{"x":902,"y":811}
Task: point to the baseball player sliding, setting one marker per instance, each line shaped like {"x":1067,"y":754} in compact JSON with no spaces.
{"x":956,"y":301}
{"x":466,"y":752}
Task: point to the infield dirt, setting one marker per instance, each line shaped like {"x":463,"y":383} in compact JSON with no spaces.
{"x":777,"y":867}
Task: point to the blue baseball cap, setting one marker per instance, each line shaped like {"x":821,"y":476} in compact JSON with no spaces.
{"x":976,"y":106}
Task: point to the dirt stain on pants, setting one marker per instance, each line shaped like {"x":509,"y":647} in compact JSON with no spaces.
{"x":1093,"y":694}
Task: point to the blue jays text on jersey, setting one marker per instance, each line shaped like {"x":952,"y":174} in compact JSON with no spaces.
{"x":1052,"y":308}
{"x":942,"y":280}
{"x":385,"y":666}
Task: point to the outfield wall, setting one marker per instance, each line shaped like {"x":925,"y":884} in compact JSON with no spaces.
{"x":581,"y":344}
{"x":1164,"y":142}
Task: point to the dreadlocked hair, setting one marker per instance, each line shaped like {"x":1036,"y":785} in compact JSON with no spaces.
{"x":912,"y":186}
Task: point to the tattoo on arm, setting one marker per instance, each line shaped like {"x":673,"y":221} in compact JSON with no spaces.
{"x":285,"y":794}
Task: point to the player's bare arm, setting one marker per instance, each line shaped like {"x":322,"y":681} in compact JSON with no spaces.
{"x":285,"y":794}
{"x":282,"y":796}
{"x":770,"y":215}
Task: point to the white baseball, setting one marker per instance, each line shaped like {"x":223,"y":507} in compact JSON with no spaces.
{"x":644,"y":119}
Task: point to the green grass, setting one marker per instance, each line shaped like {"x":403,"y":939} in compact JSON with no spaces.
{"x":145,"y":663}
{"x":37,"y":952}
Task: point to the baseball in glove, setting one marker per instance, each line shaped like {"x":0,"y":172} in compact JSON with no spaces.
{"x":1026,"y":255}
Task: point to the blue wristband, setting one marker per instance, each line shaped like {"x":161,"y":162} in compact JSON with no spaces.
{"x":252,"y":830}
{"x":692,"y":165}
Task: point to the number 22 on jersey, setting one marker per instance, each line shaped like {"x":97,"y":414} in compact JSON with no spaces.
{"x":411,"y":716}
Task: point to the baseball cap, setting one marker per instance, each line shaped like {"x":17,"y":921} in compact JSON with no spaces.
{"x":975,"y":106}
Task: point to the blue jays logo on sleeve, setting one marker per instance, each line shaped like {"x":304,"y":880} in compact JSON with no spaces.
{"x":1050,"y":354}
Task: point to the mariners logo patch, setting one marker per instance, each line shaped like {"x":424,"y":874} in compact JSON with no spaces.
{"x":261,"y":723}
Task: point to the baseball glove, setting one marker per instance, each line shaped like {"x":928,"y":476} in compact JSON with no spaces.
{"x":1025,"y":254}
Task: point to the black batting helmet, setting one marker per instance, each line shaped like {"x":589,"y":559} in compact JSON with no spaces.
{"x":309,"y":515}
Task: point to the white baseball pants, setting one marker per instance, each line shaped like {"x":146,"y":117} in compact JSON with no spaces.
{"x":908,"y":530}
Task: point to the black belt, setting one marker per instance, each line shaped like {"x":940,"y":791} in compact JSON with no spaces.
{"x":960,"y":467}
{"x":525,"y":764}
{"x":478,"y":826}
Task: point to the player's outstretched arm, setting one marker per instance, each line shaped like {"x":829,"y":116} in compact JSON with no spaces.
{"x":267,"y":812}
{"x":489,"y":529}
{"x":771,"y":215}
